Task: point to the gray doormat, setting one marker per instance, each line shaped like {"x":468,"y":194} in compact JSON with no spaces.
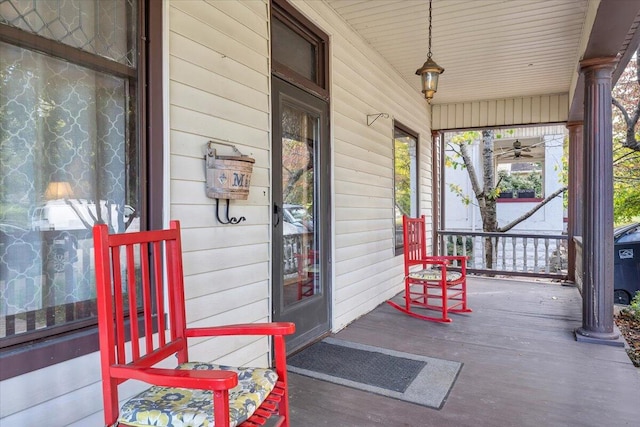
{"x":363,"y":366}
{"x":422,"y":380}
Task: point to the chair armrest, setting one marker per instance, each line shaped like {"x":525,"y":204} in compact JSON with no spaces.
{"x":274,"y":328}
{"x":199,"y":379}
{"x":429,"y":260}
{"x":450,"y":258}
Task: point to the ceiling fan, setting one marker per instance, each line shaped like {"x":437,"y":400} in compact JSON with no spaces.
{"x":518,"y":151}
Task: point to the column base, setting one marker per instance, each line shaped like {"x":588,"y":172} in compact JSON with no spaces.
{"x":613,"y":338}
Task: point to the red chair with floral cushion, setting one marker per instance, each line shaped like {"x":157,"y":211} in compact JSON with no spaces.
{"x":428,"y":283}
{"x":133,"y":273}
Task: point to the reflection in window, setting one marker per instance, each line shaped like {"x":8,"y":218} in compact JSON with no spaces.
{"x":405,"y":179}
{"x":300,"y":251}
{"x":97,"y":27}
{"x":68,"y":160}
{"x":522,"y":180}
{"x":293,"y":50}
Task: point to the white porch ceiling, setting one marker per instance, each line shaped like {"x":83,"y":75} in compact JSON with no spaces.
{"x":490,"y":49}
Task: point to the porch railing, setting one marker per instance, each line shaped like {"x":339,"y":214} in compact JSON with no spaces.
{"x":46,"y":281}
{"x":294,"y":244}
{"x":512,"y":254}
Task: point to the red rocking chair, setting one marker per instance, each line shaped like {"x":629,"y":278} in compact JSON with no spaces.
{"x":307,"y":272}
{"x":433,"y":286}
{"x":129,"y":279}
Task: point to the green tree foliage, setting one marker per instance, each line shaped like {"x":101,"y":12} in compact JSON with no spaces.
{"x":402,"y":177}
{"x":485,"y":186}
{"x":297,"y":158}
{"x":626,"y":147}
{"x":626,"y":144}
{"x":528,"y":181}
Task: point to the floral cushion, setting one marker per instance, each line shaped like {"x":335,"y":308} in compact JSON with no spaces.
{"x":173,"y":407}
{"x":434,"y":274}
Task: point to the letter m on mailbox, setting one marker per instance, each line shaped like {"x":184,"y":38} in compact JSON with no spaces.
{"x":239,"y":181}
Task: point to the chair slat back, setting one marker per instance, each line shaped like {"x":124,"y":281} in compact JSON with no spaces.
{"x":305,"y":260}
{"x":415,"y":245}
{"x":131,"y":269}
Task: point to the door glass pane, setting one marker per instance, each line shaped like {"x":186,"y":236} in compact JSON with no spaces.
{"x":300,"y":251}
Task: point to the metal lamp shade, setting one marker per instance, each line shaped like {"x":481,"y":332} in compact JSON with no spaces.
{"x":429,"y":73}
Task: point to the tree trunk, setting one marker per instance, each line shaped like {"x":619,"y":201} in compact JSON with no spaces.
{"x":485,"y":192}
{"x":489,"y":211}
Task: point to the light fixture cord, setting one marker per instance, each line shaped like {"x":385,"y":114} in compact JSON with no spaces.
{"x":429,"y":54}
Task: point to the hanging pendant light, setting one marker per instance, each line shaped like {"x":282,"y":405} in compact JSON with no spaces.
{"x":429,"y":71}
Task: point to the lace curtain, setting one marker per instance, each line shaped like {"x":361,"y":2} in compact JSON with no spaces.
{"x":67,"y":160}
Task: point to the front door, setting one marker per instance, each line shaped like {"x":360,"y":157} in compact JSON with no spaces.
{"x":301,"y":215}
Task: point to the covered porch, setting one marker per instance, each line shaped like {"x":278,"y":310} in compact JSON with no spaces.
{"x":508,"y":64}
{"x":521,"y":365}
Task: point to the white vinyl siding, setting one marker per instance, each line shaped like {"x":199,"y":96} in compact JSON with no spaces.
{"x":219,"y":88}
{"x":366,"y":272}
{"x":43,"y":397}
{"x":502,"y":112}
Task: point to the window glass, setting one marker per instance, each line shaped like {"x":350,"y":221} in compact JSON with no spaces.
{"x":291,"y":49}
{"x":299,"y":49}
{"x":519,"y":167}
{"x":522,"y":180}
{"x":631,"y":236}
{"x":405,"y":179}
{"x":99,"y":27}
{"x":69,"y":158}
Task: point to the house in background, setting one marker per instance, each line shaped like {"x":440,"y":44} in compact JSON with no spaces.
{"x":530,"y":163}
{"x":119,"y":100}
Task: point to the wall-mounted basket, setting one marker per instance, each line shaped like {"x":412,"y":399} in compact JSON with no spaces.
{"x":228,"y":177}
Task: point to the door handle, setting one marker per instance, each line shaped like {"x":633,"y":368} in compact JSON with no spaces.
{"x":276,"y":213}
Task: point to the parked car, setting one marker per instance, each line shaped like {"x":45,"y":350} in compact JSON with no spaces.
{"x":299,"y":217}
{"x":80,"y":214}
{"x":626,"y":263}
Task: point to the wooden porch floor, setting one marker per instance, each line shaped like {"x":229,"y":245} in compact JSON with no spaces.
{"x":522,"y":366}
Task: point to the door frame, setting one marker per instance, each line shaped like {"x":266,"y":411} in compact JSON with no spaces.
{"x":306,"y":333}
